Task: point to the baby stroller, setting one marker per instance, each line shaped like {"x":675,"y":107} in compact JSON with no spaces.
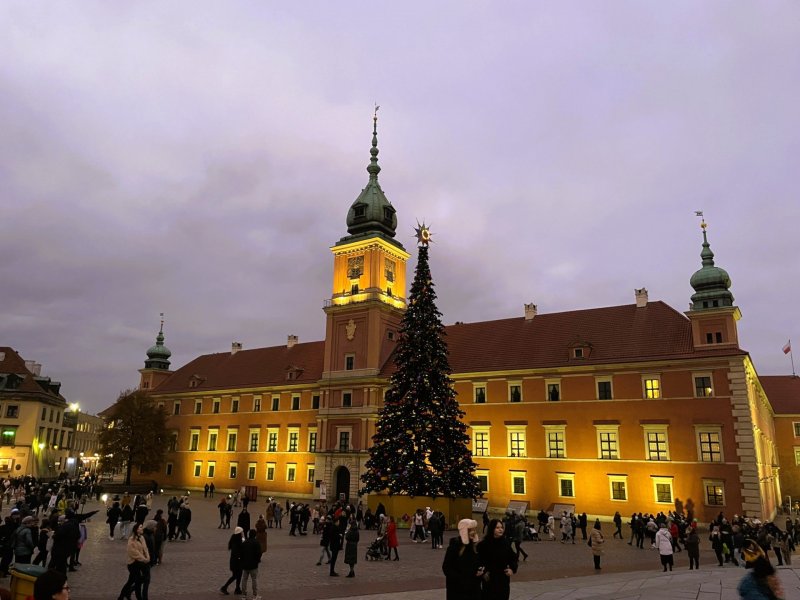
{"x":375,"y":549}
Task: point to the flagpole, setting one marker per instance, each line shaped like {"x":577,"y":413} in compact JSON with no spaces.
{"x":791,"y":357}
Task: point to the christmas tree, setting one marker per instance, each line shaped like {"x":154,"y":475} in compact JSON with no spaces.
{"x":421,"y":447}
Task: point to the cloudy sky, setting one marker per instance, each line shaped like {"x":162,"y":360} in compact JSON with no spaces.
{"x":198,"y":159}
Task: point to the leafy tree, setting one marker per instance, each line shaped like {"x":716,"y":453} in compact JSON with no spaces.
{"x":135,"y":434}
{"x":421,"y":447}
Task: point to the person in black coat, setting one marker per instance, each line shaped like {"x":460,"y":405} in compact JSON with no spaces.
{"x":235,"y":544}
{"x":184,"y":519}
{"x":112,"y":518}
{"x":336,"y":546}
{"x":499,"y":562}
{"x":251,"y":556}
{"x":243,"y":520}
{"x":462,"y":568}
{"x":351,"y":546}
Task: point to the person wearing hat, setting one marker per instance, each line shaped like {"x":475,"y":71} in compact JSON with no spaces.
{"x":461,"y":566}
{"x":235,"y":544}
{"x":24,"y":544}
{"x":51,"y":585}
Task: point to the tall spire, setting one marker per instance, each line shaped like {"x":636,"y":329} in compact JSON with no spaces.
{"x":711,"y":283}
{"x":374,"y":168}
{"x":158,"y":355}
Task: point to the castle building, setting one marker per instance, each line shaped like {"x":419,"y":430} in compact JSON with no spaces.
{"x":624,"y":408}
{"x":783,"y":392}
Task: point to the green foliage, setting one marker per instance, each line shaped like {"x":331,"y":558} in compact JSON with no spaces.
{"x":421,"y":447}
{"x":136,"y":435}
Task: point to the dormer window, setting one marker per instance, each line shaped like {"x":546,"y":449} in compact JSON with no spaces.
{"x":388,"y":214}
{"x":195,"y":380}
{"x":293,"y":373}
{"x":577,"y":352}
{"x":580,"y":349}
{"x":360,"y":211}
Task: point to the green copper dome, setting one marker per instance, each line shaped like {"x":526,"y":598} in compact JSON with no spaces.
{"x":711,"y":283}
{"x":372,"y":213}
{"x":158,"y":355}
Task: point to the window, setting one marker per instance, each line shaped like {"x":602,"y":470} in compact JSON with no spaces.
{"x":662,"y":489}
{"x":566,"y":485}
{"x":212,"y":441}
{"x":194,"y":440}
{"x":294,"y":435}
{"x":9,"y":436}
{"x":604,"y":389}
{"x":480,"y":441}
{"x":517,"y":482}
{"x":652,"y":387}
{"x":710,"y":444}
{"x":256,"y":403}
{"x":276,"y":402}
{"x":251,"y":471}
{"x":655,"y":442}
{"x":291,"y":472}
{"x":607,"y":437}
{"x":295,"y":402}
{"x":516,"y":441}
{"x":254,"y":441}
{"x":702,"y":386}
{"x":310,"y":473}
{"x":312,"y":440}
{"x":480,"y":394}
{"x":272,"y":441}
{"x":714,"y":492}
{"x":556,"y":445}
{"x":270,"y":471}
{"x":51,"y":415}
{"x":796,"y":427}
{"x":483,"y":480}
{"x":173,"y":442}
{"x":344,"y":441}
{"x":233,"y":470}
{"x":315,"y":401}
{"x":514,"y":392}
{"x":198,"y":407}
{"x":797,"y":456}
{"x":12,"y":411}
{"x":232,"y":441}
{"x":347,"y":398}
{"x":619,"y":487}
{"x":169,"y":469}
{"x":578,"y":353}
{"x":553,"y":391}
{"x":235,"y":405}
{"x":349,"y":362}
{"x":215,"y":406}
{"x":212,"y":468}
{"x":176,"y":408}
{"x":198,"y":465}
{"x":44,"y":413}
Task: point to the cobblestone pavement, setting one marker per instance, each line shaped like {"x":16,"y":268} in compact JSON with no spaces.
{"x":197,"y":568}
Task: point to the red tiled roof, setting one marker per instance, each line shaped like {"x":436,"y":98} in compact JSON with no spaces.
{"x":609,"y":335}
{"x":12,"y":362}
{"x":246,"y":368}
{"x":783,"y":392}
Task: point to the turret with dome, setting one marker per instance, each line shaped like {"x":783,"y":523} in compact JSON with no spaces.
{"x":711,"y":283}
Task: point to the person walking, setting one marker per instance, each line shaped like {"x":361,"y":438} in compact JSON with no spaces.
{"x":618,"y":525}
{"x":499,"y":562}
{"x":692,"y":545}
{"x":596,"y":541}
{"x":235,"y":562}
{"x":518,"y":535}
{"x":351,"y":538}
{"x":138,"y":560}
{"x":261,"y":533}
{"x":336,"y":546}
{"x":761,"y":582}
{"x":112,"y":518}
{"x":461,"y":566}
{"x":391,"y":539}
{"x":663,"y":542}
{"x":325,"y":539}
{"x":251,"y":556}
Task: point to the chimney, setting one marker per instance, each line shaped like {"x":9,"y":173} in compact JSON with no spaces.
{"x":235,"y":347}
{"x":530,"y":311}
{"x":33,"y":367}
{"x":37,"y":369}
{"x":641,"y":297}
{"x":291,"y":341}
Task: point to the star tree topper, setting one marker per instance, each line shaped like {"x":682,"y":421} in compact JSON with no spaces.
{"x":423,"y":234}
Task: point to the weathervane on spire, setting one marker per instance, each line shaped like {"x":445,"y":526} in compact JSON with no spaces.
{"x":423,"y":234}
{"x":375,"y":114}
{"x":699,"y":213}
{"x":162,"y":322}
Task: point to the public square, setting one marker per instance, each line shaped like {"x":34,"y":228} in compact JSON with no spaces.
{"x":197,"y":568}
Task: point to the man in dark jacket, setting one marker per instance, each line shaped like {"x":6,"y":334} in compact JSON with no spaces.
{"x":251,"y":556}
{"x":184,"y":518}
{"x":337,"y":534}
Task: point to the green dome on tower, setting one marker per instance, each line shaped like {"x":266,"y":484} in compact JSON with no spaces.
{"x":711,"y":283}
{"x":158,"y":355}
{"x":372,"y":213}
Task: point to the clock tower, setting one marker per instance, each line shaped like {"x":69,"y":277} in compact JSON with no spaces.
{"x":363,"y":322}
